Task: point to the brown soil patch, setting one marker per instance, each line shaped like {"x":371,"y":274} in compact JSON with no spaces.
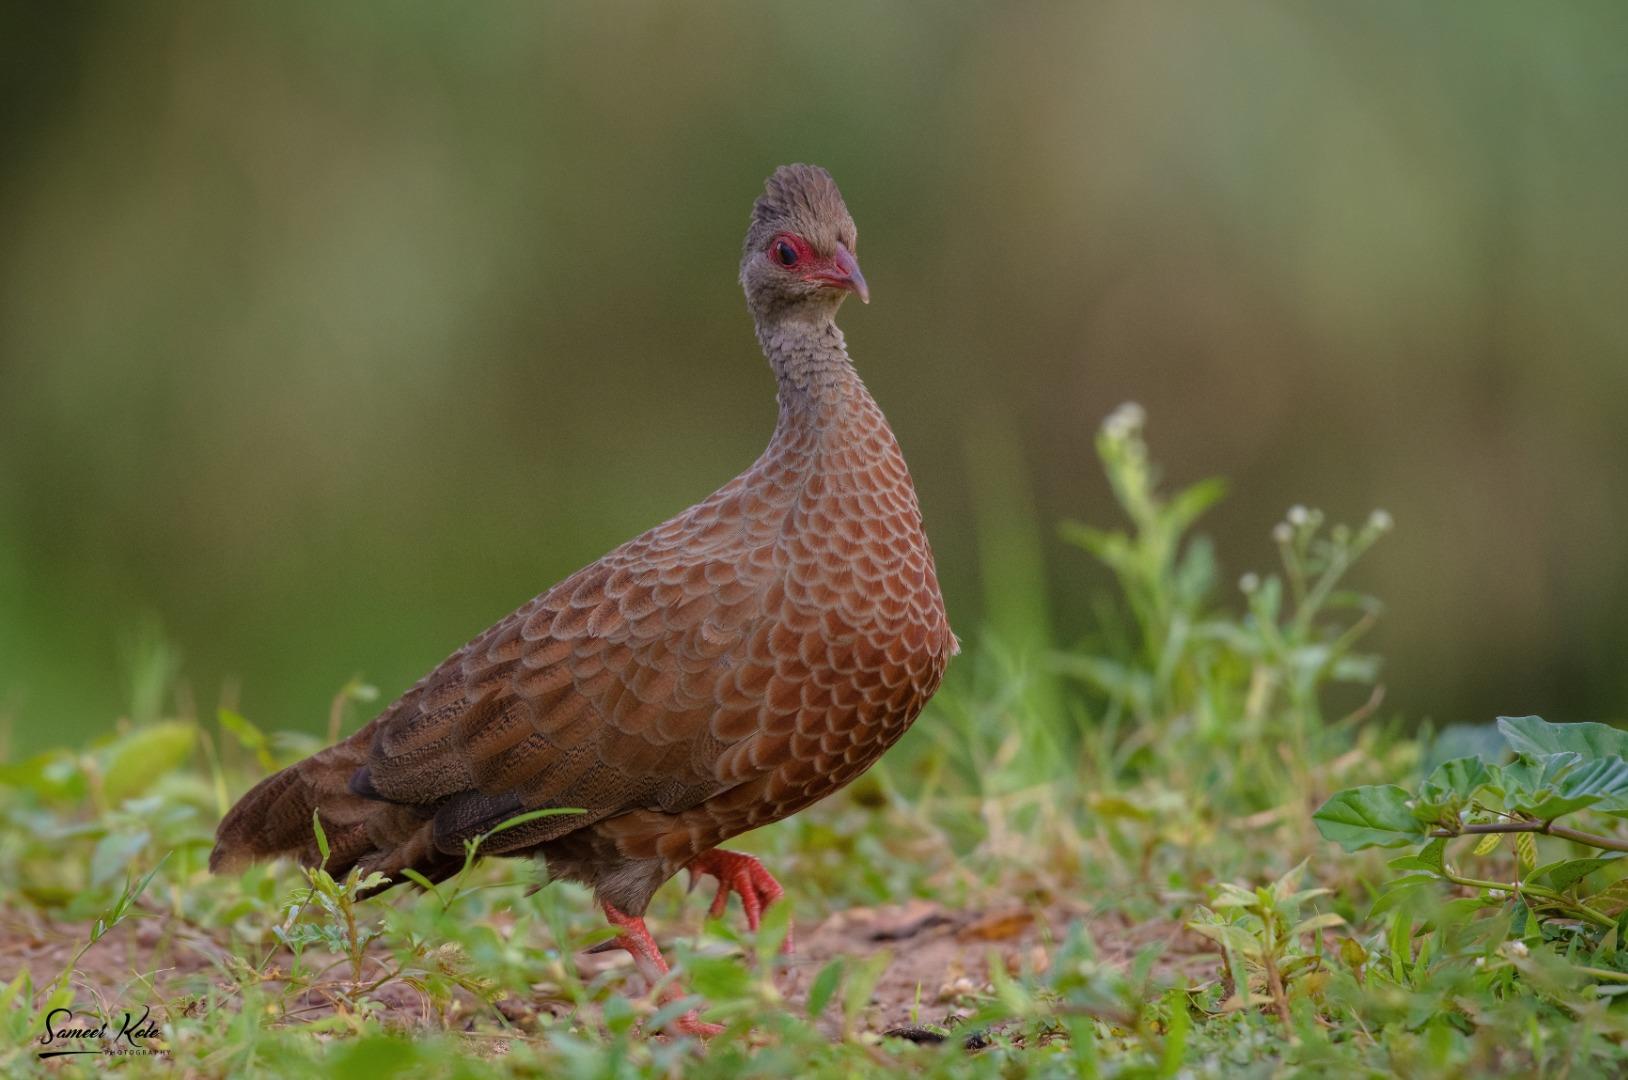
{"x":939,"y":956}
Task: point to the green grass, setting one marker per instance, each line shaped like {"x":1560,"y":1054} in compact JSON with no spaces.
{"x":1151,"y":797}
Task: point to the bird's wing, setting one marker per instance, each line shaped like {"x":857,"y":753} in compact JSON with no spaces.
{"x":624,"y":687}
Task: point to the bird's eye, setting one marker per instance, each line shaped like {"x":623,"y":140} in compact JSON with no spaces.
{"x":784,"y":253}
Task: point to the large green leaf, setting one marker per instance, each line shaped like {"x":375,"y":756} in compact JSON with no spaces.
{"x":1559,"y":783}
{"x":1528,"y":779}
{"x":1536,"y":736}
{"x":1461,"y":776}
{"x":1449,"y":787}
{"x":1377,"y":815}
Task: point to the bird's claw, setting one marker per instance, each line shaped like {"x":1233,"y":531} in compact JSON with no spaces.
{"x":747,"y":878}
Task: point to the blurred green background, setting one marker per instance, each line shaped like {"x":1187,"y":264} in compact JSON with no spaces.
{"x":329,"y":333}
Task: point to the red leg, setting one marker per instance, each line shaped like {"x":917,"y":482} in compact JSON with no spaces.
{"x":652,"y":965}
{"x":744,"y":876}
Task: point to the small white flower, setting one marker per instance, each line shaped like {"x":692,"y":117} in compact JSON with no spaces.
{"x":1380,"y":521}
{"x":1299,"y":515}
{"x":1124,"y":421}
{"x":1249,"y":582}
{"x":1282,"y":533}
{"x":1518,"y":948}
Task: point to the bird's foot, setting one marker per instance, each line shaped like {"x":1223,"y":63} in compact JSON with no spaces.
{"x":635,"y":938}
{"x":744,"y":876}
{"x":692,"y":1024}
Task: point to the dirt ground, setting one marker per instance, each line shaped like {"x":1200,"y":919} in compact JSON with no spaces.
{"x":939,"y":955}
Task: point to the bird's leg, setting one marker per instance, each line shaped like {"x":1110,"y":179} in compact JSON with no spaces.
{"x":647,"y":958}
{"x":744,"y":876}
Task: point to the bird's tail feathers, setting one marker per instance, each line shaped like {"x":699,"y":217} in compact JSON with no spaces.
{"x":275,"y":819}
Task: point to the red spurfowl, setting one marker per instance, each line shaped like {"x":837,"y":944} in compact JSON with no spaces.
{"x":724,"y":670}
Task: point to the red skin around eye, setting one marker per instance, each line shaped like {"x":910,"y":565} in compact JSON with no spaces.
{"x":837,"y":271}
{"x":805,"y":252}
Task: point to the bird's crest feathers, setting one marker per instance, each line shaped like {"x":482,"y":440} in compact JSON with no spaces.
{"x":803,"y":200}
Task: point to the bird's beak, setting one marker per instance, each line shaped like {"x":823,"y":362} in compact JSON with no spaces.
{"x":845,"y":275}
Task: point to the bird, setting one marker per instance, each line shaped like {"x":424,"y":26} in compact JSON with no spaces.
{"x":728,"y":668}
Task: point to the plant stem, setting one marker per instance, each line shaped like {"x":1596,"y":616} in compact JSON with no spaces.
{"x":1604,"y":973}
{"x":1518,"y":889}
{"x":1547,"y":828}
{"x":1606,"y":842}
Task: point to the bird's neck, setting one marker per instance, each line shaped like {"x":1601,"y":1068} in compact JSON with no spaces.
{"x":810,"y":362}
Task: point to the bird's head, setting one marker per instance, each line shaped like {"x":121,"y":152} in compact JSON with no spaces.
{"x":799,"y":257}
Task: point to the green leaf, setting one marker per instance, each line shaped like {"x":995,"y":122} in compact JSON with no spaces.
{"x":1536,"y":736}
{"x":20,"y":989}
{"x":1190,"y":503}
{"x":421,"y":881}
{"x":823,"y":986}
{"x":1526,"y":775}
{"x":1602,"y":777}
{"x":1124,"y":684}
{"x":1400,"y":891}
{"x":1434,"y":855}
{"x":1267,"y":601}
{"x":1400,"y":940}
{"x":719,"y":979}
{"x":248,"y":736}
{"x":1117,"y":806}
{"x":55,"y":774}
{"x":372,"y":1056}
{"x":1230,"y":936}
{"x":1450,"y":786}
{"x":1356,"y":668}
{"x":113,"y":855}
{"x":861,"y":984}
{"x":1559,"y":783}
{"x":772,"y":931}
{"x":1175,"y":1035}
{"x":1377,"y":815}
{"x":1317,"y":922}
{"x":1611,"y":900}
{"x":531,"y":815}
{"x":1431,"y":857}
{"x":1285,"y":887}
{"x":134,"y":761}
{"x":1526,"y":853}
{"x":618,"y":1014}
{"x":1566,"y":873}
{"x":1568,"y":784}
{"x":1459,"y":912}
{"x":1195,"y":575}
{"x":322,"y":837}
{"x":1114,"y":549}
